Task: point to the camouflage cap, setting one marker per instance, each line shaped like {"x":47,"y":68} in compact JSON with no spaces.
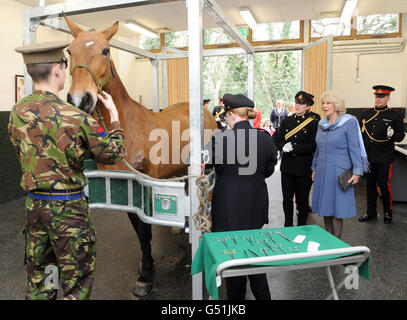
{"x":43,"y":52}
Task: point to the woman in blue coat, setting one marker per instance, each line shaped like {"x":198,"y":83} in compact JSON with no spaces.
{"x":339,"y":147}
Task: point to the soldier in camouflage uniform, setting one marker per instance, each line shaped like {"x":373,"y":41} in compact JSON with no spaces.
{"x":52,"y":138}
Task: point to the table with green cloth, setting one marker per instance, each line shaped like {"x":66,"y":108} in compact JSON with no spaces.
{"x":266,"y":244}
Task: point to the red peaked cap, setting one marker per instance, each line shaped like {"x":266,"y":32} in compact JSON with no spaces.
{"x":382,"y":89}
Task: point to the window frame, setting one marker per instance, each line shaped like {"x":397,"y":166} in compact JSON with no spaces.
{"x":354,"y":36}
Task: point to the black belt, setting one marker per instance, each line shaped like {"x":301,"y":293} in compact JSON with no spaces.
{"x":56,"y":194}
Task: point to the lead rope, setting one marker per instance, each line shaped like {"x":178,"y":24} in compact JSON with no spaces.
{"x":202,"y":218}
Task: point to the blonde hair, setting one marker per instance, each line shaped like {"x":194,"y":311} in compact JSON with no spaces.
{"x":245,"y":112}
{"x":336,"y":98}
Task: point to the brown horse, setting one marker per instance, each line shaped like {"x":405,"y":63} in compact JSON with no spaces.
{"x":91,"y":69}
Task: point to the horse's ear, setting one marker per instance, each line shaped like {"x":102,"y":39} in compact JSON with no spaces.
{"x":111,"y":31}
{"x":73,"y":27}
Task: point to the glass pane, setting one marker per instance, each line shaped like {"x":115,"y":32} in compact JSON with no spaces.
{"x":178,"y":39}
{"x":277,"y":76}
{"x":329,"y":26}
{"x":378,"y":24}
{"x":276,"y":31}
{"x":224,"y":74}
{"x":148,"y":43}
{"x":216,"y":36}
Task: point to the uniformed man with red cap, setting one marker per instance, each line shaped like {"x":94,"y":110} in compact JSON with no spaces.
{"x":381,"y":127}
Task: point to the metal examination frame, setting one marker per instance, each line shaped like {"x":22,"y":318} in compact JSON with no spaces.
{"x":48,"y":16}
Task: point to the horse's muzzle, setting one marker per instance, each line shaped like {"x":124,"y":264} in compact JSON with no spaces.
{"x":86,"y":103}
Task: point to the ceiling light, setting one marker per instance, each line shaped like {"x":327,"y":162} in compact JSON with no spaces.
{"x":139,"y":29}
{"x":348,"y":10}
{"x":248,"y":18}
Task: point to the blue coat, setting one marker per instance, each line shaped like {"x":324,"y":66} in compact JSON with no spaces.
{"x":338,"y":149}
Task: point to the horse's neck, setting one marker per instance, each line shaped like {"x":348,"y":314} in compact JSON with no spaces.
{"x":128,"y":109}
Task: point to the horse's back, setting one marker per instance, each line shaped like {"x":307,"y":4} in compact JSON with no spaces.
{"x":181,"y":109}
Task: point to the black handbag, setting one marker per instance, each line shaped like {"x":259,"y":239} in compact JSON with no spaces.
{"x":343,"y":179}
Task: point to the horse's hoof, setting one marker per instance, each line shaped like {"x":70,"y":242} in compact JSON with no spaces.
{"x":142,"y":289}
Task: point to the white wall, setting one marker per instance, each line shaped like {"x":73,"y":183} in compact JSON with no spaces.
{"x":387,"y":69}
{"x":11,"y":61}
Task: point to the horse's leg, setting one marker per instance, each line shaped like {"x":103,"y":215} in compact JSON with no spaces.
{"x":145,"y":281}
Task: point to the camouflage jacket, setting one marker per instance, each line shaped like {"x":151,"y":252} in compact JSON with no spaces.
{"x":52,"y":138}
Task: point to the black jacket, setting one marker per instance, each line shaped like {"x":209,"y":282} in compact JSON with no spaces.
{"x":379,"y":148}
{"x":243,"y":158}
{"x":297,"y":162}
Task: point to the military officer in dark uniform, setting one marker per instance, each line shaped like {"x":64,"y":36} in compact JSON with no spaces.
{"x":220,"y":116}
{"x":316,"y":116}
{"x":243,"y":157}
{"x":381,"y":127}
{"x":296,"y":139}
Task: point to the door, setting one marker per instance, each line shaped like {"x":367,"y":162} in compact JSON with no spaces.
{"x":317,"y":70}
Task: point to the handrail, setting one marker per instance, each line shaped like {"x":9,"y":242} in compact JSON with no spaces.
{"x":288,"y":257}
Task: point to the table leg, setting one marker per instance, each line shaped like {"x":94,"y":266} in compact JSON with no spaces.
{"x":332,"y":283}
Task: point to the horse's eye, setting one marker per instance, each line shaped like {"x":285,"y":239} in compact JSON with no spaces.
{"x":105,"y":52}
{"x":69,"y":52}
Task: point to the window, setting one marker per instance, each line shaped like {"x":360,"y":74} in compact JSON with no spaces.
{"x":216,"y":36}
{"x":330,"y":26}
{"x":277,"y":31}
{"x":377,"y":24}
{"x":148,"y":43}
{"x":178,"y":39}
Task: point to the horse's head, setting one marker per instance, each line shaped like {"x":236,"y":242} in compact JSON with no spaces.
{"x":91,"y":65}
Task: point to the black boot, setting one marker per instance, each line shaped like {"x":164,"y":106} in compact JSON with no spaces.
{"x":367,"y":217}
{"x":388,"y":217}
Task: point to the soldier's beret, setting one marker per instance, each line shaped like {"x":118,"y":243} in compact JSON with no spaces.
{"x":303,"y":97}
{"x":44,"y":52}
{"x":232,"y":101}
{"x":380,"y":89}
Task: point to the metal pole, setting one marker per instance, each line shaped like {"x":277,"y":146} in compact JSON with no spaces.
{"x":332,"y":283}
{"x":165,"y":81}
{"x":250,"y":76}
{"x":154,"y":63}
{"x":195,"y":44}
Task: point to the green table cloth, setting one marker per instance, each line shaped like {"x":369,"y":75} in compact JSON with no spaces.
{"x":218,"y":247}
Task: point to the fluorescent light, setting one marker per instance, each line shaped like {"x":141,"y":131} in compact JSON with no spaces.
{"x":138,"y":29}
{"x":248,"y":18}
{"x":348,"y":10}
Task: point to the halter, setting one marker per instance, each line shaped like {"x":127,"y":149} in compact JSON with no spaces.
{"x":99,"y":84}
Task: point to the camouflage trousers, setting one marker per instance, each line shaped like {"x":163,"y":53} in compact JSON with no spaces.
{"x":60,"y":237}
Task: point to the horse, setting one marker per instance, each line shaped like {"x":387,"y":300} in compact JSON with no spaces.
{"x":92,"y":69}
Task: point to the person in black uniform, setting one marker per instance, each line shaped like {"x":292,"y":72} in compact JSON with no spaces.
{"x":316,"y":116}
{"x":219,"y":114}
{"x":296,"y":139}
{"x":243,"y":157}
{"x":381,"y":127}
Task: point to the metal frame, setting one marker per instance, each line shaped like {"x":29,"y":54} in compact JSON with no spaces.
{"x":45,"y":15}
{"x":239,"y":267}
{"x":158,"y":187}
